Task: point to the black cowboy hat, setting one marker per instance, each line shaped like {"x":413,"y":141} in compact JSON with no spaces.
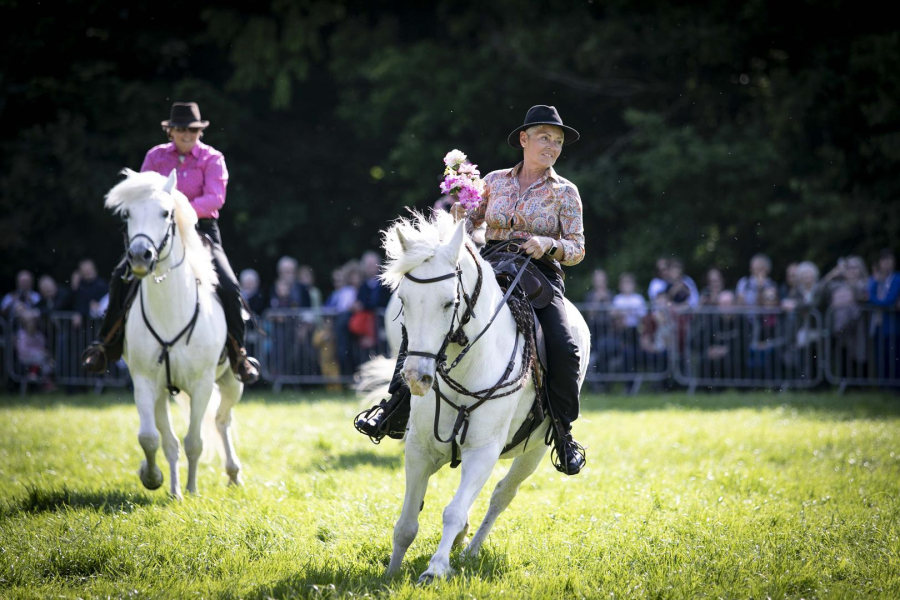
{"x":542,"y":115}
{"x":185,"y":114}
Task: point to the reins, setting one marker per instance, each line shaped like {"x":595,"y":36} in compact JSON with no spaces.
{"x":461,"y":425}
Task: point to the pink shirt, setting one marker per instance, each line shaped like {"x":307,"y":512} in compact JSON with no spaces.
{"x":202,"y":175}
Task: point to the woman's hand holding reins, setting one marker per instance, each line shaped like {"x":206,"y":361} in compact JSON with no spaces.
{"x":537,"y":246}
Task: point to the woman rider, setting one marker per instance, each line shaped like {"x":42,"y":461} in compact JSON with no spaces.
{"x":202,"y":177}
{"x":529,"y":202}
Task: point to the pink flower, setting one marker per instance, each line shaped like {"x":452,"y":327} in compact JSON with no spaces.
{"x":469,"y":169}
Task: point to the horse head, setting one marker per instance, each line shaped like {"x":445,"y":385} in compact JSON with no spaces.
{"x":153,"y":209}
{"x":425,"y":268}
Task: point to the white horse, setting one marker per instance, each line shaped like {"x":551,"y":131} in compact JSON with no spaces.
{"x":175,"y":333}
{"x":431,"y":251}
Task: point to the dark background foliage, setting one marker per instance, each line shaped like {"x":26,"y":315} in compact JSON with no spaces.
{"x":710,"y":130}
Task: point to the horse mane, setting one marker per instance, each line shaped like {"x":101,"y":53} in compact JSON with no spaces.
{"x":138,"y":187}
{"x":423,"y":236}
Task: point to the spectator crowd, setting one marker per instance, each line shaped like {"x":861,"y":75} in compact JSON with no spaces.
{"x":738,"y":328}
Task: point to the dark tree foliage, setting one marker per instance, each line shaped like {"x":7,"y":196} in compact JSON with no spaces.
{"x":710,"y":130}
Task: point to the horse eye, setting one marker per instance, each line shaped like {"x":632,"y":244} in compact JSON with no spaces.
{"x":165,"y":214}
{"x":125,"y":215}
{"x":447,"y":305}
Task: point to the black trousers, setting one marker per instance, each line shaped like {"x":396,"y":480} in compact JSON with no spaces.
{"x":229,"y":292}
{"x":562,"y":357}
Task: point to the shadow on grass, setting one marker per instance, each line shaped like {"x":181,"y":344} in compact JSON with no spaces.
{"x":354,"y":460}
{"x":368,"y":578}
{"x":39,"y":500}
{"x":829,"y":404}
{"x":325,"y":582}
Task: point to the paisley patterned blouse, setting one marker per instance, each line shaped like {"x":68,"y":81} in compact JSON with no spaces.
{"x":550,"y":207}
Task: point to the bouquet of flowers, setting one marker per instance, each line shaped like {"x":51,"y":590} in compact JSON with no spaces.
{"x":461,"y":177}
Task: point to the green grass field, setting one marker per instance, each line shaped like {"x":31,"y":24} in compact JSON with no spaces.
{"x":730,"y":495}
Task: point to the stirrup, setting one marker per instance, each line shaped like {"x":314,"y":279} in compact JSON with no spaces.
{"x":572,"y":451}
{"x":93,"y":358}
{"x":248,"y":370}
{"x":375,"y":423}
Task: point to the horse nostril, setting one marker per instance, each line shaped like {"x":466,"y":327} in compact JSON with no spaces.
{"x":427,"y":380}
{"x":148,"y":255}
{"x":130,"y":254}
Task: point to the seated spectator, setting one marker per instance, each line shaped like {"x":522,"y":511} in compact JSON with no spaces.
{"x":659,"y":283}
{"x":250,"y":291}
{"x":628,"y":302}
{"x":748,"y":287}
{"x":716,"y":340}
{"x":52,"y":298}
{"x":599,"y":293}
{"x":715,"y":285}
{"x":31,"y":348}
{"x":19,"y":303}
{"x":790,"y":281}
{"x":681,"y":290}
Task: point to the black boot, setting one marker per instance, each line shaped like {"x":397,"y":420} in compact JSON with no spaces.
{"x":388,"y":418}
{"x":108,"y":349}
{"x":246,"y":368}
{"x":567,"y":455}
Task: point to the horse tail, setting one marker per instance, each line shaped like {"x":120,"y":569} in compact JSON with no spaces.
{"x":212,"y":441}
{"x":373,"y":379}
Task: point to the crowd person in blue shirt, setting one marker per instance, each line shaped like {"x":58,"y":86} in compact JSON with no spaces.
{"x":884,"y":291}
{"x":749,"y":287}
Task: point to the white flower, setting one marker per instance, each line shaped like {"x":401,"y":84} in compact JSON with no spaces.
{"x":454,"y":158}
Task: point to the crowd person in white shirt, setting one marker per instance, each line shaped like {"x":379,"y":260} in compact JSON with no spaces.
{"x":628,"y":302}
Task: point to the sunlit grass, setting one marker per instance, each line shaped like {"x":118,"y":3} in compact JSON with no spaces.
{"x":730,"y":495}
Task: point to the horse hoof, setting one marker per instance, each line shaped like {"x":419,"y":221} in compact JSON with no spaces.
{"x":178,"y":496}
{"x":426,"y":579}
{"x":151,"y":481}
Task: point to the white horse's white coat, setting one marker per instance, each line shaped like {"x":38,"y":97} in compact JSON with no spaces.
{"x":147,"y":201}
{"x":430,"y":248}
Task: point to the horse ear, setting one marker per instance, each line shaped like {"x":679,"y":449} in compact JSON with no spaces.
{"x":171,"y":182}
{"x":455,"y":244}
{"x":404,"y":243}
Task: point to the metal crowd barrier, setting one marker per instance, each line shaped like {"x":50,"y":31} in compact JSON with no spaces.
{"x":309,"y":346}
{"x":747,"y":347}
{"x":628,"y":346}
{"x":700,"y":347}
{"x":47,"y":350}
{"x":863,"y":348}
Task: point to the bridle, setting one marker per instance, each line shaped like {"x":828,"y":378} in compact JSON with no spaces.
{"x":171,"y":232}
{"x":458,"y":336}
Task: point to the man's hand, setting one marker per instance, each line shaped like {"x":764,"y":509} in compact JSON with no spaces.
{"x":537,"y":246}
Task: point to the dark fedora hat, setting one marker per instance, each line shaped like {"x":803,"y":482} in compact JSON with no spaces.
{"x":185,"y":114}
{"x":542,"y":115}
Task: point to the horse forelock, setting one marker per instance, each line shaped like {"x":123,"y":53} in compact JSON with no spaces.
{"x":142,"y":187}
{"x":423,"y":237}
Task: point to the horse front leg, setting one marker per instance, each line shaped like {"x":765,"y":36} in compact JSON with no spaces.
{"x":477,"y":465}
{"x":419,"y":468}
{"x":522,"y":468}
{"x":193,"y":441}
{"x":171,"y":445}
{"x":145,"y":394}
